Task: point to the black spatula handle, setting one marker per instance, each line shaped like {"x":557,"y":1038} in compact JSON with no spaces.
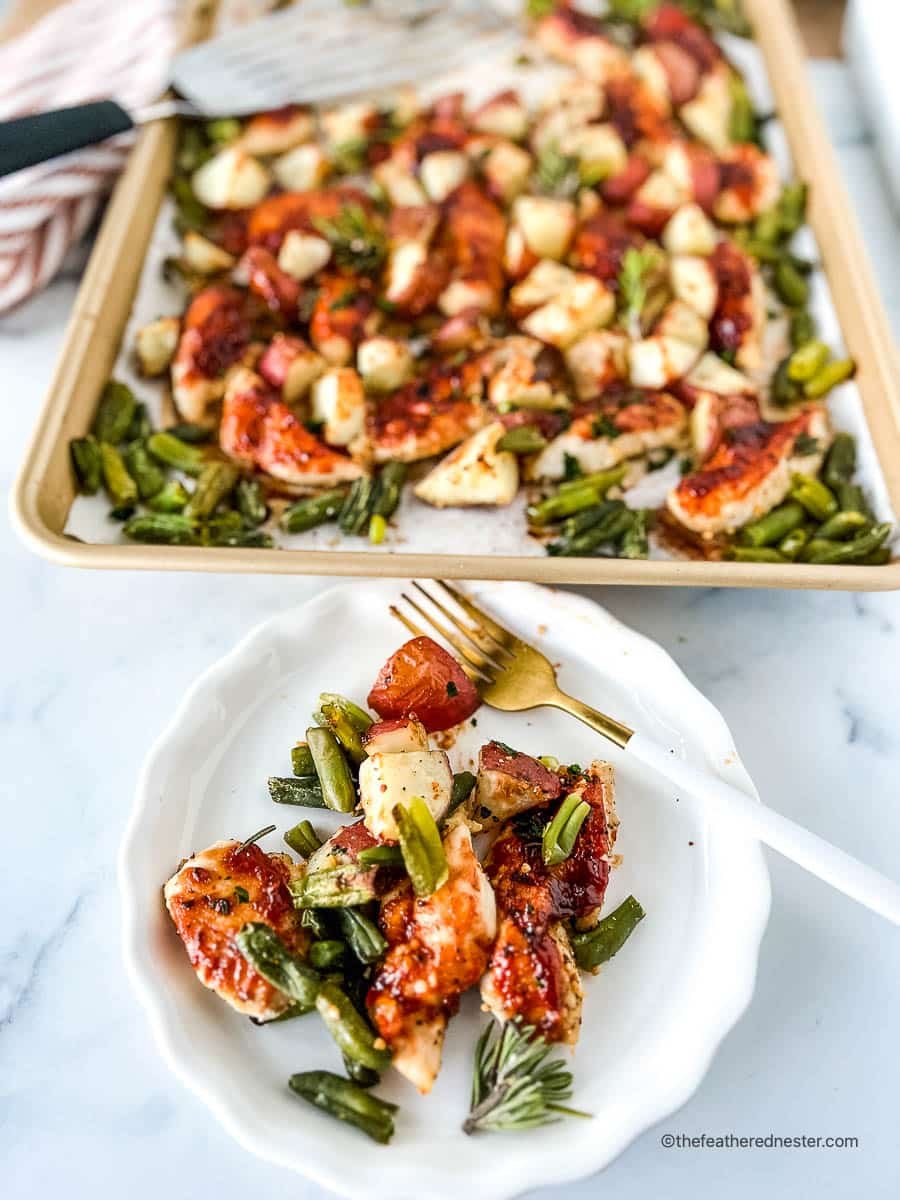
{"x":30,"y":140}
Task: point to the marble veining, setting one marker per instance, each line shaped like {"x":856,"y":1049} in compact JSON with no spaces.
{"x":93,"y":665}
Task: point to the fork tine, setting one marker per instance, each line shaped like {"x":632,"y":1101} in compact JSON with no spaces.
{"x":482,"y":641}
{"x":501,"y":636}
{"x":416,"y":631}
{"x":473,"y":657}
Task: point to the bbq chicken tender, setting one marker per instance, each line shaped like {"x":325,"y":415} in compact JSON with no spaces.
{"x":212,"y":897}
{"x":532,"y":973}
{"x":438,"y":947}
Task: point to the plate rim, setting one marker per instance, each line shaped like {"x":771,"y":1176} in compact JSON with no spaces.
{"x":506,"y":1180}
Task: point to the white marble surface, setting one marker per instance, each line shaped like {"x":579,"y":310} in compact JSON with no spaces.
{"x":92,"y":666}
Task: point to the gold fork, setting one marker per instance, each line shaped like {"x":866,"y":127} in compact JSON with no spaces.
{"x":513,"y":676}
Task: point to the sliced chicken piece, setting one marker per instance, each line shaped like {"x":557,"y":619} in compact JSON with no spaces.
{"x":428,"y":415}
{"x":750,"y":184}
{"x":417,"y":271}
{"x":344,"y":315}
{"x":749,"y":473}
{"x":212,"y":896}
{"x":738,"y":322}
{"x":259,"y":430}
{"x":524,"y":372}
{"x":438,"y":947}
{"x":474,"y":235}
{"x":532,"y":973}
{"x":510,"y":782}
{"x":215,"y":334}
{"x":640,"y":118}
{"x":619,"y":426}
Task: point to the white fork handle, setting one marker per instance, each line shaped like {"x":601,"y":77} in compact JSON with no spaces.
{"x":808,"y":850}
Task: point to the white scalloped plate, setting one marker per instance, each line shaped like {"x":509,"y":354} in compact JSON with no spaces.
{"x":653,"y":1017}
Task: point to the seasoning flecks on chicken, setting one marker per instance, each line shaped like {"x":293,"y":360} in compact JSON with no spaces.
{"x":428,"y":415}
{"x":258,"y":430}
{"x":532,"y":974}
{"x":212,"y":897}
{"x":216,"y":333}
{"x":438,"y":947}
{"x":621,"y":424}
{"x":749,"y":473}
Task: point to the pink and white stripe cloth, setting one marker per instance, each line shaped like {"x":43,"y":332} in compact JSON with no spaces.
{"x":84,"y":50}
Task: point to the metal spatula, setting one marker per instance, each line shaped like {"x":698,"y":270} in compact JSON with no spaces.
{"x":318,"y":50}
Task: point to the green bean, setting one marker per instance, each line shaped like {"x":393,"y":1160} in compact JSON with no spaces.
{"x":380,"y":856}
{"x":807,"y":361}
{"x":767,"y":226}
{"x":421,"y":846}
{"x":792,"y":543}
{"x":391,"y":479}
{"x":877,"y":558}
{"x":143,"y":470}
{"x":783,"y":389}
{"x":358,"y":506}
{"x":463,"y":786}
{"x":164,"y":529}
{"x":326,"y":954}
{"x":347,"y":1101}
{"x":358,"y":717}
{"x":267,"y":954}
{"x":829,"y":377}
{"x":803,"y":328}
{"x":774,"y":525}
{"x":792,"y":206}
{"x":333,"y":887}
{"x":194,"y":435}
{"x":851,"y":498}
{"x":616,"y":523}
{"x":223,"y":536}
{"x":362,"y":935}
{"x":790,"y":286}
{"x":524,"y":439}
{"x":564,"y":504}
{"x":303,"y":839}
{"x":377,"y":529}
{"x":173,"y":452}
{"x":121,"y":487}
{"x":251,"y":503}
{"x":843,"y":526}
{"x":635,"y":543}
{"x":601,"y":480}
{"x":338,"y":791}
{"x":141,"y":427}
{"x":337,"y":721}
{"x":214,"y":484}
{"x":302,"y":760}
{"x":316,"y":921}
{"x":742,"y":120}
{"x":836,"y":553}
{"x":86,"y":461}
{"x":818,"y":500}
{"x":597,"y":946}
{"x":756,"y":554}
{"x":115,"y":413}
{"x":223,"y":129}
{"x":352,"y":1033}
{"x":582,"y":521}
{"x":363,"y":1077}
{"x":840,"y":462}
{"x":561,"y":832}
{"x":288,"y":789}
{"x":313,"y":511}
{"x":171,"y":499}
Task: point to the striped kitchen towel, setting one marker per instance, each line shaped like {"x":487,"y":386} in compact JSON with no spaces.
{"x":84,"y":50}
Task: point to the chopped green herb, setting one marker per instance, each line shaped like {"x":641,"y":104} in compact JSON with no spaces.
{"x":241,"y":895}
{"x":605,"y":426}
{"x":452,"y":689}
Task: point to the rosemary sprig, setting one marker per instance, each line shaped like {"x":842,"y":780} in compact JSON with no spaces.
{"x":357,"y":241}
{"x":514,"y":1087}
{"x":557,"y":173}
